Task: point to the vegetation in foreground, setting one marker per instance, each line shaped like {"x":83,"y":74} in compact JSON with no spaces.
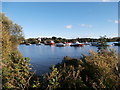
{"x":96,"y":71}
{"x":15,"y":68}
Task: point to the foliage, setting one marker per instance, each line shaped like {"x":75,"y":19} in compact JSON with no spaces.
{"x":35,"y":82}
{"x":16,"y":34}
{"x":106,"y":65}
{"x":52,"y":79}
{"x":15,"y":72}
{"x":102,"y":43}
{"x":98,"y":70}
{"x":15,"y":68}
{"x":102,"y":40}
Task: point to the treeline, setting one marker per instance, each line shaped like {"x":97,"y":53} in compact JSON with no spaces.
{"x":59,"y":39}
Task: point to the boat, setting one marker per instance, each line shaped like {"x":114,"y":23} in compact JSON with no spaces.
{"x":86,"y":43}
{"x":60,"y":44}
{"x":97,"y":44}
{"x":68,"y":44}
{"x":117,"y":44}
{"x":77,"y":44}
{"x":104,"y":45}
{"x":49,"y":42}
{"x":38,"y":43}
{"x":94,"y":44}
{"x":28,"y":43}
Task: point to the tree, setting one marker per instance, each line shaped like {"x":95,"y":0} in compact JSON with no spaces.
{"x":102,"y":43}
{"x":15,"y":68}
{"x":54,"y":38}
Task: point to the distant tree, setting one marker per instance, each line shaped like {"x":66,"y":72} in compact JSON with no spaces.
{"x":54,"y":38}
{"x":78,"y":39}
{"x":103,"y":40}
{"x":102,"y":43}
{"x":59,"y":38}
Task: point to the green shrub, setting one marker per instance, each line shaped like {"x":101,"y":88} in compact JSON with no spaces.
{"x":98,"y":70}
{"x":15,"y":68}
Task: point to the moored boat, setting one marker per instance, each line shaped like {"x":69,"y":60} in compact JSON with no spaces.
{"x":60,"y":44}
{"x":94,"y":44}
{"x":117,"y":44}
{"x":28,"y":43}
{"x":86,"y":43}
{"x":77,"y":44}
{"x":38,"y":43}
{"x":49,"y":43}
{"x":68,"y":43}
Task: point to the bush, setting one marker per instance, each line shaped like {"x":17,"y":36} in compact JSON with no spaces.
{"x":15,"y":68}
{"x":98,"y":70}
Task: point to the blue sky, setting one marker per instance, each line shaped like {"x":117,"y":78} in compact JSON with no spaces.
{"x":64,"y":19}
{"x":60,"y":0}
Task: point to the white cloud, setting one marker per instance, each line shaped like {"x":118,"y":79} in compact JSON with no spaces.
{"x":114,"y":21}
{"x":117,"y":21}
{"x":86,"y":25}
{"x":68,"y":27}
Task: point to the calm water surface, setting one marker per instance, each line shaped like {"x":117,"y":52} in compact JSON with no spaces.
{"x":43,"y":56}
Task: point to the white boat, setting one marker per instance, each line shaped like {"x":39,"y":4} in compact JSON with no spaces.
{"x":77,"y":44}
{"x":60,"y":44}
{"x":28,"y":44}
{"x":68,"y":44}
{"x":86,"y":43}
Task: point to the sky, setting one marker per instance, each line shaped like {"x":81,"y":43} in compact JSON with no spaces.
{"x":64,"y":19}
{"x":60,"y":0}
